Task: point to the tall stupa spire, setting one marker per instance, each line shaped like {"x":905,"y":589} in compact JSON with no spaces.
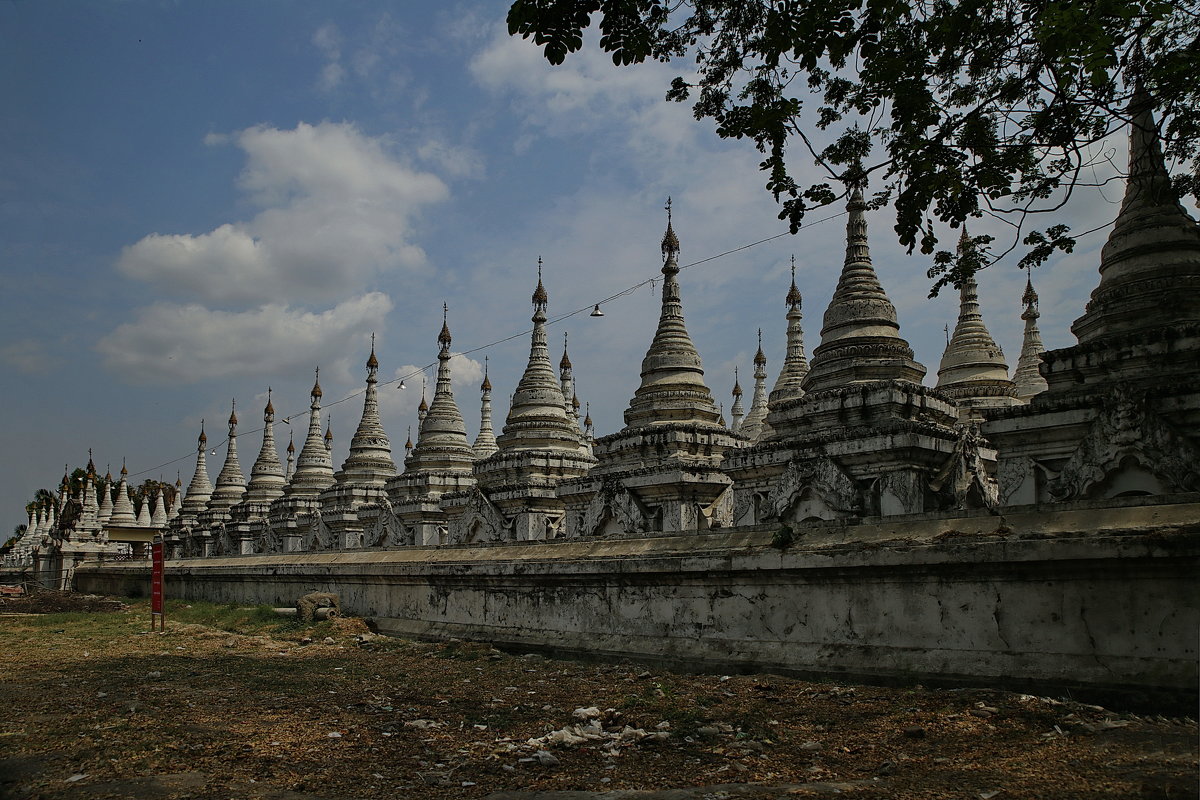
{"x":123,"y":514}
{"x":860,"y":338}
{"x":370,"y":458}
{"x":442,"y":437}
{"x":106,"y":500}
{"x":200,"y":489}
{"x":973,"y":372}
{"x":1153,"y":243}
{"x":737,"y":411}
{"x":231,"y":484}
{"x":790,"y":383}
{"x":537,"y":418}
{"x":566,"y":374}
{"x":672,"y":387}
{"x":314,"y":467}
{"x":291,"y":456}
{"x":267,"y":477}
{"x":485,"y":442}
{"x":1027,"y":377}
{"x":754,"y":425}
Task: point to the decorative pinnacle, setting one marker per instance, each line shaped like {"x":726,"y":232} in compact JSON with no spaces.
{"x":565,"y":363}
{"x":291,"y":442}
{"x":793,"y":295}
{"x":203,"y":438}
{"x":329,"y":431}
{"x":1030,"y":298}
{"x":269,"y":411}
{"x":486,"y":386}
{"x":372,"y":361}
{"x":759,"y":359}
{"x":408,"y":445}
{"x":233,"y":413}
{"x":587,"y":419}
{"x":540,"y":298}
{"x":316,"y":390}
{"x":124,"y":471}
{"x":444,"y":336}
{"x":670,"y":242}
{"x":737,"y":387}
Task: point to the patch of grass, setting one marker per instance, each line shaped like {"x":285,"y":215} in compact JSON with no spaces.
{"x":247,"y":620}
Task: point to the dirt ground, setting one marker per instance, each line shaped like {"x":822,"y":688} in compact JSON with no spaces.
{"x":97,"y":707}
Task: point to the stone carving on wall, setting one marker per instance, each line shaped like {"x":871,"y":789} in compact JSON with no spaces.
{"x":225,"y":542}
{"x":1127,"y":437}
{"x":270,"y":539}
{"x":381,"y":526}
{"x":316,"y":533}
{"x":963,"y":483}
{"x":480,"y":522}
{"x":614,"y":511}
{"x":820,"y":480}
{"x":718,"y":513}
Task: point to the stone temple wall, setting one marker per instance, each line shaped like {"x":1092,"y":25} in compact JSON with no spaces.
{"x":1098,"y":600}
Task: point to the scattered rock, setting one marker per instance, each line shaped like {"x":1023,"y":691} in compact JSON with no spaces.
{"x":914,"y":732}
{"x":546,"y":758}
{"x":329,"y":640}
{"x":811,"y":746}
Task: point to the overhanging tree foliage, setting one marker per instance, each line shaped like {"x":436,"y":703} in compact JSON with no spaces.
{"x":955,"y":108}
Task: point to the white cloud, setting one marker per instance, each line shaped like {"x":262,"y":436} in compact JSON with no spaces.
{"x":26,"y":355}
{"x":171,"y":343}
{"x":328,"y":39}
{"x":337,"y":209}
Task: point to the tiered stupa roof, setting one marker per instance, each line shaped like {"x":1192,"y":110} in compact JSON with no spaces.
{"x":973,"y":371}
{"x":123,"y":513}
{"x":485,"y":442}
{"x":537,"y":419}
{"x":442,"y":437}
{"x":369,"y":462}
{"x":1026,"y":377}
{"x":860,"y":338}
{"x":754,"y":425}
{"x":736,"y":411}
{"x":1153,"y":243}
{"x":314,"y":467}
{"x":267,"y":477}
{"x":790,"y":383}
{"x":200,"y":489}
{"x":231,"y":484}
{"x":672,"y":387}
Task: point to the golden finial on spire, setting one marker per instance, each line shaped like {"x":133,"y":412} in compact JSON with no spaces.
{"x":233,"y":413}
{"x":759,"y":359}
{"x":540,"y":297}
{"x":316,"y":390}
{"x":670,"y":242}
{"x":270,"y":409}
{"x":793,"y":295}
{"x":203,"y":436}
{"x":444,"y":336}
{"x":372,"y":361}
{"x":565,"y":363}
{"x":737,"y":387}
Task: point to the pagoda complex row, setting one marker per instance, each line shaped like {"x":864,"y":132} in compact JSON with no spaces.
{"x":851,"y":433}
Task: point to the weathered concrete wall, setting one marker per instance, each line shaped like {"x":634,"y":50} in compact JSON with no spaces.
{"x":1100,"y":600}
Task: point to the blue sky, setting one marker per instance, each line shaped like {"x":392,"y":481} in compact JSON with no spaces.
{"x":201,"y":200}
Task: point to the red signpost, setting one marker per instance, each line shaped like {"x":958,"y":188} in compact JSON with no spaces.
{"x":158,"y":613}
